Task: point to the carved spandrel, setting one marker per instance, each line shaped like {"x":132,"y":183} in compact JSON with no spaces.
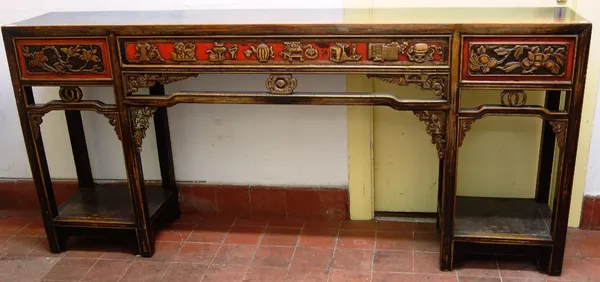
{"x":559,"y":127}
{"x":435,"y":122}
{"x":541,"y":59}
{"x":425,"y":82}
{"x":137,"y":81}
{"x":113,"y":119}
{"x":464,"y":125}
{"x":140,"y":117}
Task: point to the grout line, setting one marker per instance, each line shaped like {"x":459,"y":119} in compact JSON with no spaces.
{"x":374,"y":253}
{"x":86,"y":273}
{"x":179,"y":251}
{"x":294,"y":251}
{"x":218,"y":249}
{"x":262,"y":235}
{"x":126,"y":269}
{"x":337,"y":239}
{"x":498,"y":268}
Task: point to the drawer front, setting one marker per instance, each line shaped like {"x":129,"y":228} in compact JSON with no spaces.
{"x":198,"y":52}
{"x":64,"y":59}
{"x":518,"y":59}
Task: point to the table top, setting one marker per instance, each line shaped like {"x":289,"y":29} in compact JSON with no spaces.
{"x":493,"y":15}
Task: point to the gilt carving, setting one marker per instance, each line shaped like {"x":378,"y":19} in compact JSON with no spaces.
{"x":183,"y":52}
{"x":559,"y":127}
{"x":425,"y":82}
{"x":113,"y":121}
{"x":147,"y":52}
{"x":422,"y":52}
{"x":513,"y":98}
{"x":544,"y":59}
{"x":140,"y":117}
{"x":435,"y":123}
{"x":281,"y":84}
{"x":70,"y":93}
{"x":137,"y":81}
{"x":464,"y":126}
{"x":63,"y":59}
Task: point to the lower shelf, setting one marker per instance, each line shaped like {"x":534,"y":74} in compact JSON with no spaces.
{"x":107,"y":206}
{"x":502,"y":220}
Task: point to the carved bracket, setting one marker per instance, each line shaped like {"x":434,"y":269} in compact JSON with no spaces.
{"x":35,"y":121}
{"x":436,"y":83}
{"x":112,"y":120}
{"x":140,"y":117}
{"x":463,"y":127}
{"x":559,"y":127}
{"x":137,"y":81}
{"x":436,"y":128}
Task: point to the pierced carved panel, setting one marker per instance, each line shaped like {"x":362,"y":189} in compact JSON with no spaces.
{"x":281,"y":84}
{"x":140,"y":117}
{"x":70,"y":93}
{"x":436,"y":128}
{"x":463,"y":127}
{"x":137,"y":81}
{"x":436,"y":83}
{"x":513,"y":98}
{"x":559,"y":127}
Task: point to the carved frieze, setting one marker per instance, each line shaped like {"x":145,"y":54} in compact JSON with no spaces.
{"x":435,"y":125}
{"x":137,"y":81}
{"x":263,"y":52}
{"x":147,"y":52}
{"x":183,"y":52}
{"x":342,"y":52}
{"x":140,"y":117}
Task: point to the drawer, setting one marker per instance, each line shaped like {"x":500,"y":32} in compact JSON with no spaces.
{"x":293,"y":52}
{"x":64,"y":59}
{"x":548,"y":59}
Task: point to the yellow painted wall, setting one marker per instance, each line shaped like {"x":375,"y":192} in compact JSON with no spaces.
{"x":499,"y":177}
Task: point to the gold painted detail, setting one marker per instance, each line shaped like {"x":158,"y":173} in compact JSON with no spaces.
{"x":70,"y":93}
{"x":217,"y":53}
{"x":421,"y":52}
{"x":559,"y":127}
{"x":140,"y":117}
{"x":464,"y":126}
{"x":508,"y":58}
{"x":184,"y":52}
{"x":147,"y":52}
{"x":513,"y":98}
{"x":281,"y":84}
{"x":263,"y":52}
{"x":295,"y":51}
{"x":425,"y":82}
{"x":112,"y":120}
{"x":137,"y":81}
{"x":380,"y":52}
{"x":35,"y":120}
{"x":342,"y":52}
{"x":435,"y":122}
{"x":70,"y":59}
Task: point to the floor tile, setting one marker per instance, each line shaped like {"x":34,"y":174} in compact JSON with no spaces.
{"x":322,"y":224}
{"x":589,"y":247}
{"x":180,"y":272}
{"x":81,"y":247}
{"x":107,"y":271}
{"x":393,"y":277}
{"x":43,"y":250}
{"x":260,"y":222}
{"x":217,"y":273}
{"x":273,"y":256}
{"x":426,"y":242}
{"x":165,"y":251}
{"x":177,"y":232}
{"x":286,"y":223}
{"x":70,"y":269}
{"x":4,"y":238}
{"x":394,"y":241}
{"x":338,"y":275}
{"x":356,"y":239}
{"x":238,"y":255}
{"x":324,"y":238}
{"x":592,"y":267}
{"x":359,"y":225}
{"x":573,"y":269}
{"x":393,"y":261}
{"x":209,"y":223}
{"x":305,"y":275}
{"x":425,"y":227}
{"x":312,"y":258}
{"x":20,"y":245}
{"x":145,"y":271}
{"x":33,"y":228}
{"x":275,"y":236}
{"x":396,"y":226}
{"x":448,"y":277}
{"x":260,"y":274}
{"x":478,"y":279}
{"x":248,"y":235}
{"x":355,"y":260}
{"x":197,"y":253}
{"x":519,"y":269}
{"x":214,"y":234}
{"x":12,"y":225}
{"x":523,"y":280}
{"x":25,"y":269}
{"x":427,"y":263}
{"x":479,"y":268}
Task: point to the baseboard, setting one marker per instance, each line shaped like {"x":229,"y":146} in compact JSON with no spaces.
{"x":590,"y":213}
{"x":18,"y":196}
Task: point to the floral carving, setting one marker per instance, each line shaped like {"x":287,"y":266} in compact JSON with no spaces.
{"x":63,"y":59}
{"x":137,"y":81}
{"x":559,"y":127}
{"x":140,"y":117}
{"x":112,"y":120}
{"x":464,"y":126}
{"x":539,"y":59}
{"x":436,"y":128}
{"x":425,"y":82}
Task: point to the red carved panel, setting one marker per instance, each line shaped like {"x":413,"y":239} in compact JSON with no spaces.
{"x":63,"y":59}
{"x":518,"y":58}
{"x":247,"y":52}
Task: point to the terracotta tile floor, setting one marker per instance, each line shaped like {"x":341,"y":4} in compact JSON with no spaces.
{"x":272,"y":250}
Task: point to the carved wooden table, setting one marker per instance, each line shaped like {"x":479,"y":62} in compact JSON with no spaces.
{"x":445,"y":51}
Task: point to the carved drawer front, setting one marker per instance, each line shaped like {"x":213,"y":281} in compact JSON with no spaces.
{"x":287,"y":52}
{"x":518,"y":59}
{"x":64,"y":59}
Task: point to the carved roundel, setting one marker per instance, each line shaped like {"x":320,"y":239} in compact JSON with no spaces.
{"x":513,"y":98}
{"x":281,"y":84}
{"x":70,"y":93}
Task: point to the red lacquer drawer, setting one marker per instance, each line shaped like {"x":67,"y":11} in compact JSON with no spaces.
{"x":518,"y":59}
{"x":64,"y":59}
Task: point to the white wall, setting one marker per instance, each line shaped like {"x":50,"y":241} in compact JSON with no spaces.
{"x":245,"y":144}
